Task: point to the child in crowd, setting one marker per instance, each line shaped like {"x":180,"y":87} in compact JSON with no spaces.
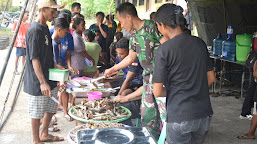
{"x":20,"y":43}
{"x":75,"y":15}
{"x":132,"y":75}
{"x":153,"y":16}
{"x":93,"y":50}
{"x":131,"y":84}
{"x":79,"y":53}
{"x":97,"y":35}
{"x":67,"y":46}
{"x":112,"y":26}
{"x":76,"y":7}
{"x":113,"y":53}
{"x":103,"y":31}
{"x":183,"y":68}
{"x":61,"y":27}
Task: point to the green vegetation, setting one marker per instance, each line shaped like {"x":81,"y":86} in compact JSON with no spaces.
{"x":14,"y":9}
{"x":91,"y":7}
{"x":5,"y":31}
{"x":3,"y":4}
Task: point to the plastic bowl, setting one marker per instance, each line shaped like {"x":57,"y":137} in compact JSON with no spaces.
{"x":94,"y":95}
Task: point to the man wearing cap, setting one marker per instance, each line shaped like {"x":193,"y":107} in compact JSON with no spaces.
{"x":36,"y":78}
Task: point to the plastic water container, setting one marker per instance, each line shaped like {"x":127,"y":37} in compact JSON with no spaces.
{"x":94,"y":95}
{"x":229,"y":49}
{"x":217,"y":45}
{"x":58,"y":74}
{"x":243,"y":46}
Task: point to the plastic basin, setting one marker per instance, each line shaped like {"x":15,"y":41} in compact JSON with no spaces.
{"x":94,"y":95}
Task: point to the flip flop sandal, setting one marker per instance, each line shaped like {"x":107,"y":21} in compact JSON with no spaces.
{"x":244,"y":137}
{"x":68,"y":118}
{"x":53,"y":128}
{"x":60,"y":109}
{"x":54,"y":120}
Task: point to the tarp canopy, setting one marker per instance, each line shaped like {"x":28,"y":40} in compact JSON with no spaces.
{"x":213,"y":16}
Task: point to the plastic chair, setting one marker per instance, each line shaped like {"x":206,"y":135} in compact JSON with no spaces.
{"x":162,"y":137}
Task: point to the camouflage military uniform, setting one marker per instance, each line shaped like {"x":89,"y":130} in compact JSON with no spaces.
{"x":145,"y":42}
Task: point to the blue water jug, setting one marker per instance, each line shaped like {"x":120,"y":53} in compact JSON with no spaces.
{"x":229,"y":49}
{"x":217,"y":45}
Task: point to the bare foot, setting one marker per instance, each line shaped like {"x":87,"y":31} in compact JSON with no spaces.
{"x":51,"y":138}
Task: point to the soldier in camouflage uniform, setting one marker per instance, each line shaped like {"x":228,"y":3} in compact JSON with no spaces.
{"x":144,"y":42}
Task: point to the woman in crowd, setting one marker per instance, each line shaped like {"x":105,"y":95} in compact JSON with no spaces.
{"x":79,"y":53}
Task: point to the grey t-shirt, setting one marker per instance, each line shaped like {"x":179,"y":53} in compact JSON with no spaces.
{"x":77,"y":60}
{"x":181,"y":63}
{"x":39,"y":46}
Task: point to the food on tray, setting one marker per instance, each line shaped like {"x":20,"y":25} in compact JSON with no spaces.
{"x":120,"y":72}
{"x":91,"y":125}
{"x":95,"y":89}
{"x":100,"y":110}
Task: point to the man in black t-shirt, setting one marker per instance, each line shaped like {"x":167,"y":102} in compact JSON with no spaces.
{"x":36,"y":78}
{"x":181,"y":63}
{"x":103,"y":30}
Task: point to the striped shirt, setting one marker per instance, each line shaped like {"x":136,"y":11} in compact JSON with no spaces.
{"x":77,"y":60}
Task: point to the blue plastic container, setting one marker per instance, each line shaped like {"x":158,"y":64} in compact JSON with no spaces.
{"x":88,"y":62}
{"x":217,"y":45}
{"x":229,"y":49}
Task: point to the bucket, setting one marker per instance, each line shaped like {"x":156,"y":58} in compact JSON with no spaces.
{"x":243,"y":46}
{"x":94,"y":95}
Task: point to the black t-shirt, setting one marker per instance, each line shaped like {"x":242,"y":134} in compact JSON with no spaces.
{"x":111,"y":33}
{"x":39,"y":46}
{"x":181,"y":63}
{"x":209,"y":62}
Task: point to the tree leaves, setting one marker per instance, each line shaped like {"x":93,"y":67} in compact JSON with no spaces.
{"x":91,"y":7}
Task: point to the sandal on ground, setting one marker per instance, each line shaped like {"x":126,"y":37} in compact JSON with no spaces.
{"x":68,"y":118}
{"x":244,"y":137}
{"x":52,"y":123}
{"x":54,"y":120}
{"x":60,"y":109}
{"x":52,"y":138}
{"x":53,"y":128}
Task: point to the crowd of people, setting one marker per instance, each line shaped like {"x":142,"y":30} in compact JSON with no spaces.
{"x":164,"y":79}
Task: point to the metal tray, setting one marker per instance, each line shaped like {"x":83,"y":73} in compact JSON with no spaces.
{"x":126,"y":135}
{"x":73,"y":140}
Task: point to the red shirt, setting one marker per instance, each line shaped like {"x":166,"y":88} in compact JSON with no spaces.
{"x":21,"y":36}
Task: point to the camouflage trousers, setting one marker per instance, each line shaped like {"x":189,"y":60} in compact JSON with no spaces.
{"x":150,"y":114}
